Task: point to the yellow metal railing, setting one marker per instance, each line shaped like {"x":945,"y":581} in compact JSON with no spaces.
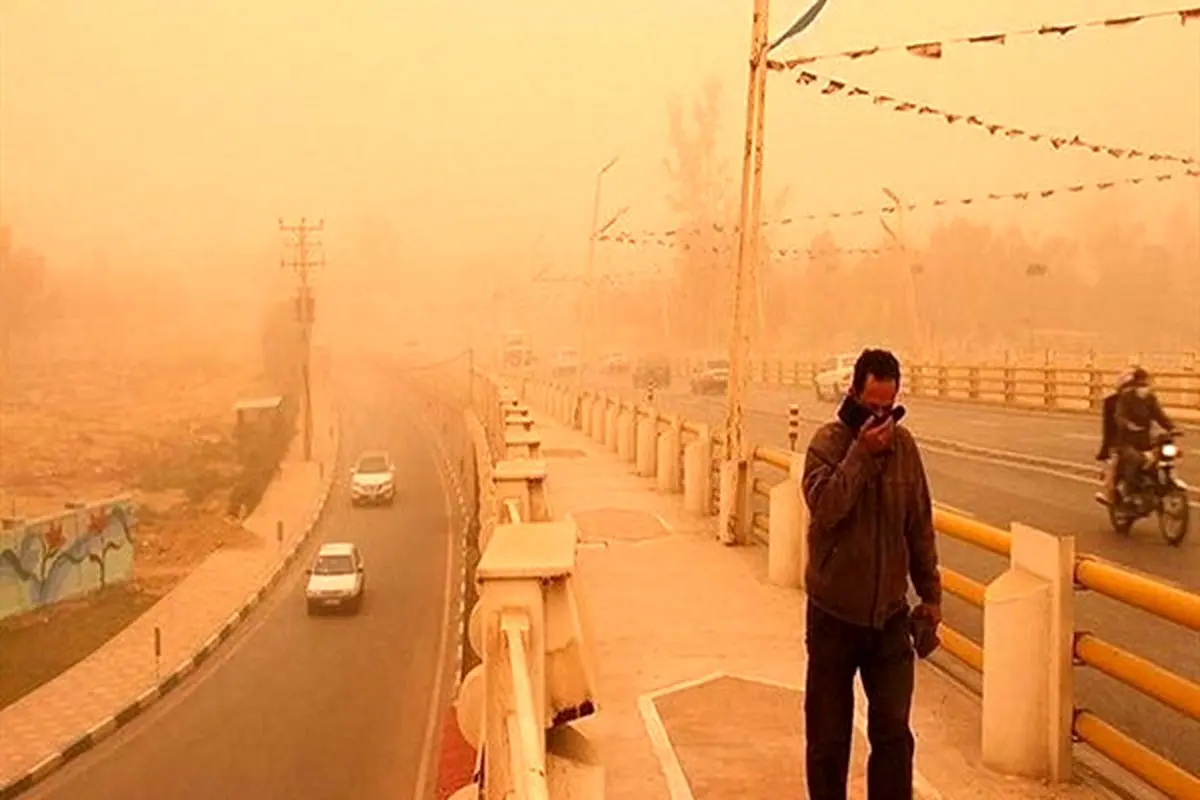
{"x":1078,"y":386}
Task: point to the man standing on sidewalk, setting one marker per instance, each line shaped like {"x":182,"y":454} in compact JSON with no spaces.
{"x":871,"y":530}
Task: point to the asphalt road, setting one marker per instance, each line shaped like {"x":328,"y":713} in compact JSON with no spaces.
{"x":999,"y":494}
{"x":300,"y":708}
{"x":1062,"y":436}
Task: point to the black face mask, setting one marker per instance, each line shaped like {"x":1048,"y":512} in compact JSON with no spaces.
{"x":855,"y":415}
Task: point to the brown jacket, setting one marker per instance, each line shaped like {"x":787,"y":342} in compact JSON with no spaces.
{"x":871,"y":527}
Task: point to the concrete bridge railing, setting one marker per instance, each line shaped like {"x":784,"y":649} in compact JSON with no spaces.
{"x":536,"y":671}
{"x":1031,"y":643}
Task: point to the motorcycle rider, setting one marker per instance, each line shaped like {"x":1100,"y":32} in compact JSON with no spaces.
{"x":1108,"y":440}
{"x":1136,"y":408}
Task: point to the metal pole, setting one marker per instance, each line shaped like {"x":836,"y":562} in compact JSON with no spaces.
{"x":738,"y":351}
{"x":588,"y":311}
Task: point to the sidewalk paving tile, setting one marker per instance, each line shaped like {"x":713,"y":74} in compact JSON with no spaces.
{"x":94,"y":690}
{"x":671,"y":609}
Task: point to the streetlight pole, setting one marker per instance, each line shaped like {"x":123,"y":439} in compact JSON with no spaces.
{"x":588,"y":310}
{"x":910,"y":268}
{"x":755,"y":230}
{"x":734,"y":466}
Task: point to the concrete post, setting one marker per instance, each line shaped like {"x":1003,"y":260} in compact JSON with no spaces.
{"x":647,"y":444}
{"x":586,"y":422}
{"x":626,"y":442}
{"x":734,"y":502}
{"x":697,"y":474}
{"x":599,"y":415}
{"x":1028,"y":638}
{"x":787,"y":544}
{"x":610,"y":428}
{"x":667,"y":477}
{"x":522,"y":444}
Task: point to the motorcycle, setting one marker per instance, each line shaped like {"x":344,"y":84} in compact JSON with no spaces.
{"x":1156,"y":491}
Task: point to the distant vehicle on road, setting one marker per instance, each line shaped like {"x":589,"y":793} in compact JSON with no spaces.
{"x":652,"y":371}
{"x":834,"y":375}
{"x":337,"y":579}
{"x":373,"y":480}
{"x":711,"y":376}
{"x":566,"y":363}
{"x":516,"y":352}
{"x":615,"y":364}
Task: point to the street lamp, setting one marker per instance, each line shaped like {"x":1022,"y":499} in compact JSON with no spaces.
{"x":589,"y":294}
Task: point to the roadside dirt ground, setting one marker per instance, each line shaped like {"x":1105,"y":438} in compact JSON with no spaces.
{"x":82,"y":421}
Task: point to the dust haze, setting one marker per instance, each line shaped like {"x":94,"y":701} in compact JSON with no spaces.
{"x":149,"y":150}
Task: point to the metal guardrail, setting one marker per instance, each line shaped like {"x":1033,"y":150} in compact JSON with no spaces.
{"x":526,"y":758}
{"x":1090,"y":574}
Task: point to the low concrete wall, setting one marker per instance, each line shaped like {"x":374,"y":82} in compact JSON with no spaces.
{"x":54,"y":558}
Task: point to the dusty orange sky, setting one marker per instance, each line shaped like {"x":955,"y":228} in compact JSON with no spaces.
{"x":178,"y":132}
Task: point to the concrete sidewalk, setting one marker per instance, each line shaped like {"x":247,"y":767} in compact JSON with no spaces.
{"x":77,"y":709}
{"x":701,"y":662}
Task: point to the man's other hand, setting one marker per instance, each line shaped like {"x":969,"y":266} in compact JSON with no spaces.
{"x":929,"y":611}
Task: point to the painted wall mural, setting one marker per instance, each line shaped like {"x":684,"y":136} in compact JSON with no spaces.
{"x":43,"y":561}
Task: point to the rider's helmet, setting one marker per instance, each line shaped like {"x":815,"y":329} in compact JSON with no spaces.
{"x":1139,"y":379}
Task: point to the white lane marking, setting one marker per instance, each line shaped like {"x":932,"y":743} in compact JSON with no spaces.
{"x":435,"y":702}
{"x":666,"y":525}
{"x":1084,"y":437}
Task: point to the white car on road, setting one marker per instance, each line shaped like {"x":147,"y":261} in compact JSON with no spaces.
{"x":336,"y":580}
{"x":833,"y":376}
{"x":373,"y":480}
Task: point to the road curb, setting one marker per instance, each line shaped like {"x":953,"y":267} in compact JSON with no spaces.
{"x":97,"y":734}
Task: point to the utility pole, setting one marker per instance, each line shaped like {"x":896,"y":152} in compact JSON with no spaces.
{"x":588,"y":311}
{"x":734,"y":467}
{"x":304,"y":313}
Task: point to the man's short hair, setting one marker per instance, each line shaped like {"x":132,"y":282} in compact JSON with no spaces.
{"x":879,"y":364}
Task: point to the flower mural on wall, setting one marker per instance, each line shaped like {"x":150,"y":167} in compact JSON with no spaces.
{"x":48,"y":558}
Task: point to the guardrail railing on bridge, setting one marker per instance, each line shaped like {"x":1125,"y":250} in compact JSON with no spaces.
{"x":1035,"y":594}
{"x":535,"y":673}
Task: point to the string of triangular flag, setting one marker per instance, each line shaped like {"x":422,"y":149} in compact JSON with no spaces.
{"x":832,"y":86}
{"x":933,"y":49}
{"x":669,"y":241}
{"x":941,"y":202}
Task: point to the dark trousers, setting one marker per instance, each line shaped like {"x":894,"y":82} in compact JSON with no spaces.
{"x":885,"y":659}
